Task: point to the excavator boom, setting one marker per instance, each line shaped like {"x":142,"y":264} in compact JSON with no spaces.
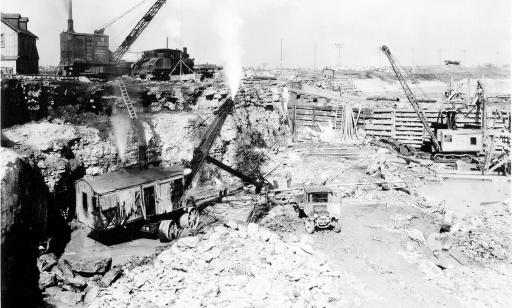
{"x":137,"y":30}
{"x":412,"y":99}
{"x":201,"y":152}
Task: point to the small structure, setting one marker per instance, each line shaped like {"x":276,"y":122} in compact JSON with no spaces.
{"x":19,"y":50}
{"x":127,"y":195}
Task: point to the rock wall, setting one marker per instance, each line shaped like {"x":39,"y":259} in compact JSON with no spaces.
{"x":24,"y":223}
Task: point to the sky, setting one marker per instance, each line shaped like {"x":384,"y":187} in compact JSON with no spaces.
{"x":417,"y":32}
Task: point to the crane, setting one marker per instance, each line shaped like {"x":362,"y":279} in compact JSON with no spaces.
{"x":137,"y":30}
{"x":412,"y":99}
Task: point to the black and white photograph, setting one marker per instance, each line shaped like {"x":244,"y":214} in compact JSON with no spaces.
{"x":256,"y":153}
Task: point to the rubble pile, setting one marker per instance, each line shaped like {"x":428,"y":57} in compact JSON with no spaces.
{"x":238,"y":266}
{"x":70,"y":281}
{"x":174,"y":97}
{"x":485,"y":239}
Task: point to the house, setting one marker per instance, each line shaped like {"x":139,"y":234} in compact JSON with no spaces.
{"x":127,"y":195}
{"x":19,"y":50}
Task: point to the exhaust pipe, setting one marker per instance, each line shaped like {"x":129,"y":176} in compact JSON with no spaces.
{"x":70,"y":16}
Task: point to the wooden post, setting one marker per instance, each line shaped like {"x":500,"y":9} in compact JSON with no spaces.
{"x":295,"y":119}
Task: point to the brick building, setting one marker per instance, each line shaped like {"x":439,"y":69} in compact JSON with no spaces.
{"x":18,"y":46}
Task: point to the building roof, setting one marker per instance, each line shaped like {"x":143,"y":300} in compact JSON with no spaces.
{"x":17,"y":29}
{"x":316,"y":189}
{"x":126,"y":178}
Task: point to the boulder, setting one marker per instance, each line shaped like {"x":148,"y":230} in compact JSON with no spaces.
{"x":188,"y":242}
{"x":65,"y":268}
{"x":231,"y":224}
{"x":90,"y":294}
{"x":46,"y":262}
{"x":76,"y":282}
{"x":46,"y":280}
{"x":111,"y":276}
{"x":68,"y":297}
{"x":90,"y":266}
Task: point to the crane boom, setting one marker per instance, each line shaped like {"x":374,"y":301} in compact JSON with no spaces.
{"x":412,"y":99}
{"x":137,"y":30}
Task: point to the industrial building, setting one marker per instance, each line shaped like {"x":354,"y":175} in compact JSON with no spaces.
{"x":19,"y":50}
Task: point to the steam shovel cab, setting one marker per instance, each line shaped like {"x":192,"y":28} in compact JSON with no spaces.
{"x":318,"y":206}
{"x":126,"y":196}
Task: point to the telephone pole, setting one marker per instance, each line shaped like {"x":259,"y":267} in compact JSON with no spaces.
{"x":281,"y":61}
{"x":339,"y":46}
{"x":440,"y":51}
{"x":314,"y":58}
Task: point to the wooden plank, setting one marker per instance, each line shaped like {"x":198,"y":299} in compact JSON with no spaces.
{"x":327,"y":107}
{"x":378,"y":127}
{"x":317,"y":112}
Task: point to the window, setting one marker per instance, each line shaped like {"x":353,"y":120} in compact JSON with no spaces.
{"x":3,"y":41}
{"x":94,"y":203}
{"x":472,"y":140}
{"x":447,"y":138}
{"x":85,"y":206}
{"x":319,"y":197}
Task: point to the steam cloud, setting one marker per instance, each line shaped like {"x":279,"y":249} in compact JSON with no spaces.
{"x":174,"y":29}
{"x":227,"y":25}
{"x":121,"y":125}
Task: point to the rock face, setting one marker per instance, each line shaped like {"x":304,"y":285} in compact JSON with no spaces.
{"x":24,"y":220}
{"x":227,"y":268}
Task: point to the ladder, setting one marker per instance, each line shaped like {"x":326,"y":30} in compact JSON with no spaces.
{"x":126,"y":99}
{"x":340,"y":115}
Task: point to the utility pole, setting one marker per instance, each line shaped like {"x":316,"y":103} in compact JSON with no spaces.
{"x":314,"y":58}
{"x":167,"y":42}
{"x":339,"y":46}
{"x":440,"y":51}
{"x":281,"y":60}
{"x":412,"y":57}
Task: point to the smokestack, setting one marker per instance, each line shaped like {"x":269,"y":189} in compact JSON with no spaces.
{"x":70,"y":17}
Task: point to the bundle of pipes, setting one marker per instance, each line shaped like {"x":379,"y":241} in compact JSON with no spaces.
{"x":348,"y":125}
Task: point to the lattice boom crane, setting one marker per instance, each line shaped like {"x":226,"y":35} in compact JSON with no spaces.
{"x":137,"y":30}
{"x":412,"y":99}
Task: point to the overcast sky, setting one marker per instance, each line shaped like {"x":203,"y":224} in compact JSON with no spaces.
{"x":408,"y":27}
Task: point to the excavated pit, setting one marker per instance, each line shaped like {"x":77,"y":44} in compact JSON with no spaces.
{"x":63,"y":132}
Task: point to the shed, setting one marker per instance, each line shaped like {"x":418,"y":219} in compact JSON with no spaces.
{"x":126,"y":195}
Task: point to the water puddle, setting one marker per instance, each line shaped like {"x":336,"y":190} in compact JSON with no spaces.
{"x":467,"y":196}
{"x":119,"y":247}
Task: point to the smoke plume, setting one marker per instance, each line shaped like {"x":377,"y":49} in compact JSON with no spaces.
{"x":228,"y":24}
{"x":121,"y":125}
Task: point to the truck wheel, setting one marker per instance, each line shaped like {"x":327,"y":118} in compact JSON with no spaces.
{"x":309,"y":225}
{"x":167,"y":230}
{"x":336,"y":225}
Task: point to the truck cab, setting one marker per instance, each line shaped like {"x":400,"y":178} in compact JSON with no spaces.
{"x":318,"y":207}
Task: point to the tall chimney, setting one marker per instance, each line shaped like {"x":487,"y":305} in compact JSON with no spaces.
{"x":70,"y":17}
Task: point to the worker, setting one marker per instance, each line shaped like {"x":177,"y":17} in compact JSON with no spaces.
{"x":220,"y":186}
{"x":288,"y":177}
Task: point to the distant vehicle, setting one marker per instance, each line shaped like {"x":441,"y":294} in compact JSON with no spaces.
{"x":317,"y":207}
{"x":451,"y":62}
{"x":162,"y":63}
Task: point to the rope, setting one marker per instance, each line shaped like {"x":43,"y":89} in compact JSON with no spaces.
{"x":122,"y":15}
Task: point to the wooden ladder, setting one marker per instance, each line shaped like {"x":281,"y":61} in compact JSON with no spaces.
{"x":126,"y":99}
{"x":339,"y":115}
